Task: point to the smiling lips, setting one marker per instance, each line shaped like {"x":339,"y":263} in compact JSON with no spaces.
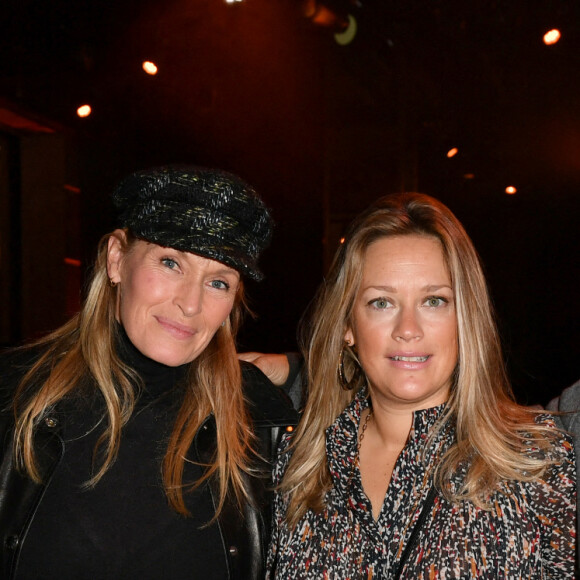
{"x":179,"y":331}
{"x":410,"y":362}
{"x":418,"y":359}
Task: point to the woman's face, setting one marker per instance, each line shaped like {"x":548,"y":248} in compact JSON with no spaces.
{"x":404,"y":323}
{"x":171,"y":303}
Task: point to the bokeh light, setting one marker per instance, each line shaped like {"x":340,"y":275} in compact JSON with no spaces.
{"x":552,"y":36}
{"x":84,"y":111}
{"x":150,"y":67}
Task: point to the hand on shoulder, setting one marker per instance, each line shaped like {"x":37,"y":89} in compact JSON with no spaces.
{"x":275,"y":366}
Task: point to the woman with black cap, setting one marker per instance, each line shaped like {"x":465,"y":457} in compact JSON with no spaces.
{"x":130,"y":447}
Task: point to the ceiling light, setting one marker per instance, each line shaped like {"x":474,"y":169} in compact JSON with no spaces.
{"x":150,"y":67}
{"x":552,"y":36}
{"x":84,"y":111}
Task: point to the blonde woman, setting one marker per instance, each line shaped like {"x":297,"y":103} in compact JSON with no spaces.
{"x":131,"y":449}
{"x":412,"y":459}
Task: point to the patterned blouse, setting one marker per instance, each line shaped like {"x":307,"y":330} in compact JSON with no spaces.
{"x":529,"y":534}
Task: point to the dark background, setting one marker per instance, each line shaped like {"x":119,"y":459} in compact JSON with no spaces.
{"x":260,"y":89}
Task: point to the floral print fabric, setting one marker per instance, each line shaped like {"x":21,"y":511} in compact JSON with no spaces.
{"x":528,"y":534}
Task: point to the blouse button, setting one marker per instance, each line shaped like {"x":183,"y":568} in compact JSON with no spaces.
{"x":51,"y":422}
{"x":233,"y":551}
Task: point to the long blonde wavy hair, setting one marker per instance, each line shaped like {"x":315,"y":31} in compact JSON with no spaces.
{"x":84,"y":348}
{"x":492,"y":431}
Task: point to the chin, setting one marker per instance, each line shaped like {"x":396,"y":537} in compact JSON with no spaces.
{"x":169,"y":358}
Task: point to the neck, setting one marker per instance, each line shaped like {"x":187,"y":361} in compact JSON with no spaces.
{"x":392,"y":420}
{"x":390,"y":427}
{"x":157,"y":377}
{"x":387,"y":433}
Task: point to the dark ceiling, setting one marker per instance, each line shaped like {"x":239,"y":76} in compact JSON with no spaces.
{"x":322,"y":129}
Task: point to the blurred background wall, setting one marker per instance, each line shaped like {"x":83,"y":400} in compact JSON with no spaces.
{"x":323,"y":105}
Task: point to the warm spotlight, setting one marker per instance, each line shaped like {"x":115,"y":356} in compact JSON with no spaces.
{"x":150,"y":67}
{"x":72,"y":262}
{"x":84,"y":111}
{"x":510,"y":190}
{"x":342,"y":240}
{"x":326,"y":17}
{"x":452,"y":152}
{"x":552,"y":36}
{"x":469,"y":176}
{"x":322,"y":15}
{"x":232,"y":1}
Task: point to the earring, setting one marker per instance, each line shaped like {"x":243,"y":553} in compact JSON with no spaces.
{"x":112,"y":283}
{"x":224,"y":323}
{"x":348,"y":385}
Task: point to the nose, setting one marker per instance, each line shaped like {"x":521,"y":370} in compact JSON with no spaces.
{"x":189,"y":298}
{"x":407,"y":326}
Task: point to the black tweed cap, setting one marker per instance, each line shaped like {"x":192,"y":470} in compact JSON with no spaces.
{"x":204,"y":211}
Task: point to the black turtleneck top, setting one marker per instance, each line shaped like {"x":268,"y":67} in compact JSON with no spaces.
{"x":123,"y":527}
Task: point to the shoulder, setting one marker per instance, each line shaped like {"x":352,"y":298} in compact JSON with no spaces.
{"x":18,"y":360}
{"x":568,"y":406}
{"x":569,"y":399}
{"x":547,"y":420}
{"x":14,"y":364}
{"x":553,"y":493}
{"x":268,"y":404}
{"x":562,"y":445}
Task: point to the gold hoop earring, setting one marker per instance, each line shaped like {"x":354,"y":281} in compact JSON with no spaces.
{"x":345,"y":384}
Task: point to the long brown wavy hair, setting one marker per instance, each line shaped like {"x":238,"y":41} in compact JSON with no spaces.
{"x":84,"y":348}
{"x":492,"y":431}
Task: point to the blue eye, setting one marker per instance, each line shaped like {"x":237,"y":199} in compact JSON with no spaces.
{"x":220,"y":285}
{"x":171,"y":264}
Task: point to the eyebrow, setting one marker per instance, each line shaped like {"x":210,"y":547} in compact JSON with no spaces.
{"x":225,"y":271}
{"x":393,"y":290}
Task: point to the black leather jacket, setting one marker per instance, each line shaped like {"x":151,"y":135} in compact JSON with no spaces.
{"x":245,"y":536}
